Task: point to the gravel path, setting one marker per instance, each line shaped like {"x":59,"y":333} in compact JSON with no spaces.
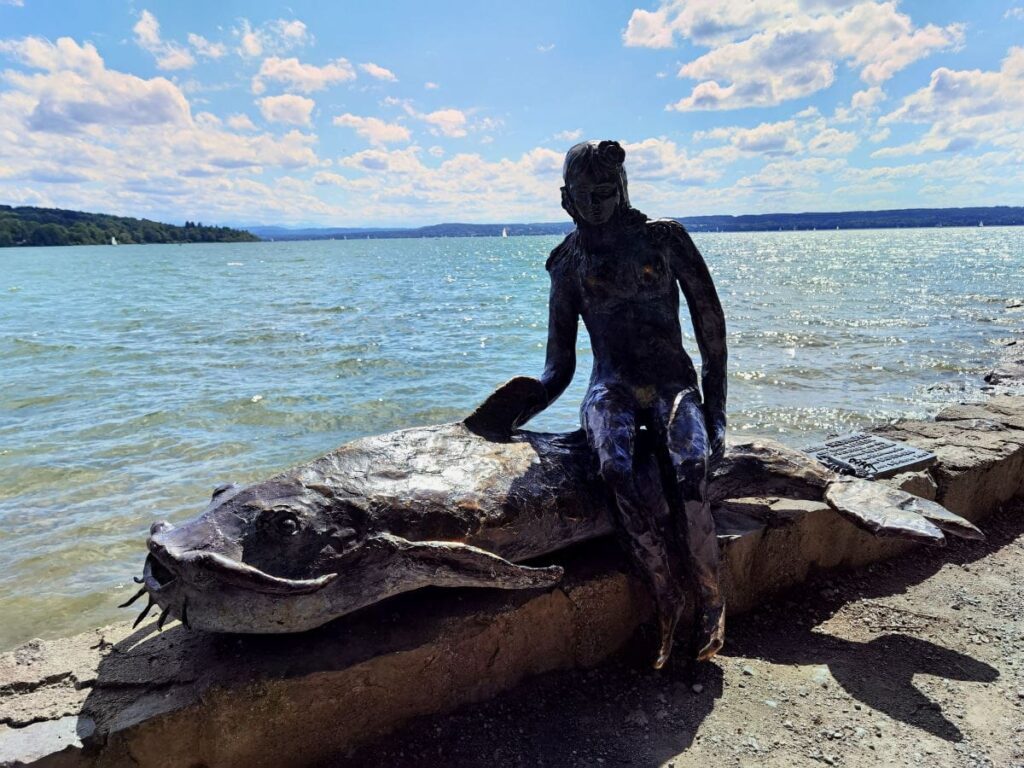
{"x":918,"y":661}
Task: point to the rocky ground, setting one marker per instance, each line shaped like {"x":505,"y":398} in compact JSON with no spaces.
{"x":918,"y":661}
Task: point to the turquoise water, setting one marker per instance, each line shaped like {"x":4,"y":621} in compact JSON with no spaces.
{"x":135,"y":379}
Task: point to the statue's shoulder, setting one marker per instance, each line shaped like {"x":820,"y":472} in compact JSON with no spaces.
{"x":664,"y":230}
{"x":671,"y":233}
{"x":561,"y":258}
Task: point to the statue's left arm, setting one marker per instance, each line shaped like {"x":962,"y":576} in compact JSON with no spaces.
{"x":709,"y":326}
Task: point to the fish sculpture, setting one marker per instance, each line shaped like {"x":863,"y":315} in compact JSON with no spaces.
{"x":448,"y":506}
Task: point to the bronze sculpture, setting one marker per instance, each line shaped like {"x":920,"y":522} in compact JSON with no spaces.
{"x":444,"y":506}
{"x":621,"y":273}
{"x":465,"y":504}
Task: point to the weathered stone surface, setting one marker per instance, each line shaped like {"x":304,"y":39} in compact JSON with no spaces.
{"x":1009,"y":372}
{"x":115,"y":697}
{"x":980,"y":450}
{"x":920,"y":484}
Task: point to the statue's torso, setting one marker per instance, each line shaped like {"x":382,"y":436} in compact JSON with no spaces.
{"x":629,"y":301}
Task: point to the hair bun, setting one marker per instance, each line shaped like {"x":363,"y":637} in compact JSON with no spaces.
{"x":611,"y":154}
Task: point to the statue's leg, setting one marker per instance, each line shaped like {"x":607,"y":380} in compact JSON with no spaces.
{"x":610,"y":423}
{"x":688,"y":448}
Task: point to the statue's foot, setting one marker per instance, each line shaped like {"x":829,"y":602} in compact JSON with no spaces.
{"x":668,"y":618}
{"x":711,"y":635}
{"x":668,"y":629}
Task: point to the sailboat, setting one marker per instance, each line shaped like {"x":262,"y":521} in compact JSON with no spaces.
{"x":113,"y":240}
{"x":504,"y":231}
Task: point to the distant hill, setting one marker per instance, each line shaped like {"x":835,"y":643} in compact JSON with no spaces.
{"x":55,"y":226}
{"x":908,"y":217}
{"x":433,"y":230}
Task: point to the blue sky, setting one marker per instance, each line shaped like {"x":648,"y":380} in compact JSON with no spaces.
{"x":402,"y":113}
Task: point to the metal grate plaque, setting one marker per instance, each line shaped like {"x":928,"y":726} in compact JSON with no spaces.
{"x":869,"y":456}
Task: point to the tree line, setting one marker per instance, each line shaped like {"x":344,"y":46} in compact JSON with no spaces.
{"x":55,"y":226}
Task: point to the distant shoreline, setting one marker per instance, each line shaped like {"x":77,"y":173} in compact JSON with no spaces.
{"x":909,"y":218}
{"x":54,"y":227}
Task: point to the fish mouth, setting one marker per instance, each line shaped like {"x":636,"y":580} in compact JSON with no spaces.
{"x":162,"y":571}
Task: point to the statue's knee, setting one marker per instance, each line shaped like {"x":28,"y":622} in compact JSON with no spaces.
{"x":691,"y":469}
{"x":617,"y":471}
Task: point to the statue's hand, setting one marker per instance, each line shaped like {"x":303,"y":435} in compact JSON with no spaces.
{"x":512,"y":404}
{"x":715,"y":423}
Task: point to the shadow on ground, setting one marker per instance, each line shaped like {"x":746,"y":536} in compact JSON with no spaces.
{"x":624,"y":714}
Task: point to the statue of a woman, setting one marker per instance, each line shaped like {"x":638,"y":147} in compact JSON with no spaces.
{"x":622,"y":273}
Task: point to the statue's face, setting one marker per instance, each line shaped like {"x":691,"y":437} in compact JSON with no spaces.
{"x":594,"y":197}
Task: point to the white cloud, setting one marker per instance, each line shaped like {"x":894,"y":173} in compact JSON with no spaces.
{"x":397,"y":183}
{"x":400,"y":161}
{"x":442,"y":122}
{"x":88,"y":137}
{"x":868,"y":100}
{"x":241,"y":123}
{"x":205,"y":48}
{"x":15,"y":3}
{"x":378,"y":72}
{"x":573,"y":135}
{"x":78,"y":92}
{"x":168,"y":55}
{"x":767,"y":138}
{"x":880,"y":135}
{"x":436,"y":151}
{"x":706,"y":22}
{"x":373,"y":129}
{"x":274,"y":37}
{"x":863,"y":104}
{"x":147,"y":30}
{"x":548,"y":48}
{"x":789,"y":174}
{"x":764,"y":52}
{"x":431,"y":86}
{"x":302,"y":77}
{"x":447,"y":122}
{"x":287,"y":108}
{"x":659,"y":159}
{"x":249,"y":41}
{"x":833,"y":142}
{"x":965,"y":108}
{"x":1016,"y":12}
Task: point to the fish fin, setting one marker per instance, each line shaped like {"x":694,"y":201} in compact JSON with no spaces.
{"x":511,"y":404}
{"x":453,"y":564}
{"x":949,"y":522}
{"x":882,"y":510}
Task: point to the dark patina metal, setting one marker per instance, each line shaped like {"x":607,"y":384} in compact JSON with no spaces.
{"x":466,"y":504}
{"x":622,"y":273}
{"x":445,"y":506}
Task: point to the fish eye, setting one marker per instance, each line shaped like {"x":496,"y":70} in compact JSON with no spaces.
{"x":286,"y":525}
{"x":280,"y":523}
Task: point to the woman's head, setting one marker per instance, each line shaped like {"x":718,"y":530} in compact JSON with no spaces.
{"x":595,"y":182}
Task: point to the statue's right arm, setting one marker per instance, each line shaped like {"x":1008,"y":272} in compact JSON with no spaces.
{"x":563,"y":322}
{"x":520,"y":399}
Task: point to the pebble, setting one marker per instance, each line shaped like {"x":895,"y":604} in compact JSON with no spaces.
{"x":821,"y":677}
{"x":638,"y":717}
{"x":748,"y":671}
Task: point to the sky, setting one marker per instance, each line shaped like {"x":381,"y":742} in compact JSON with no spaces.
{"x":399,"y":113}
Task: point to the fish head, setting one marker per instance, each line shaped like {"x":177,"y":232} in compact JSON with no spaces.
{"x":271,"y":557}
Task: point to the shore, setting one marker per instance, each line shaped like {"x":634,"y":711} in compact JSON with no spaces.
{"x":856,"y":636}
{"x":915,"y":661}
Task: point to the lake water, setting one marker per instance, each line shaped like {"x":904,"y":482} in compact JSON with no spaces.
{"x":135,"y":379}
